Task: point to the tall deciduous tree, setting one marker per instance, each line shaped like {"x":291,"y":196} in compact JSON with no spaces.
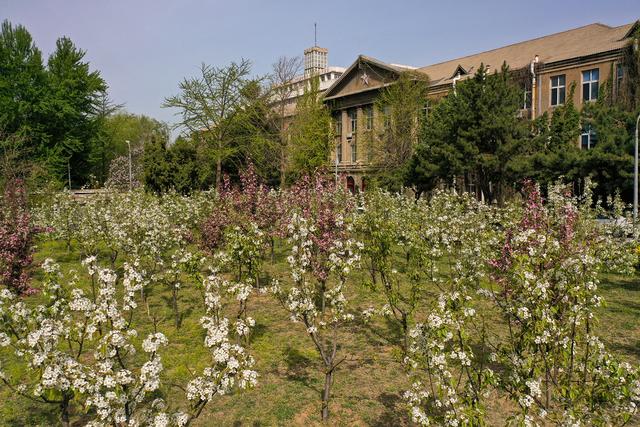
{"x":402,"y":106}
{"x":282,"y":88}
{"x":103,"y":145}
{"x":208,"y":105}
{"x":311,"y":133}
{"x":629,"y":90}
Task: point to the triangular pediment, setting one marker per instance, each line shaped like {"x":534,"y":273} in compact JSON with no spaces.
{"x":460,"y":71}
{"x":364,"y":74}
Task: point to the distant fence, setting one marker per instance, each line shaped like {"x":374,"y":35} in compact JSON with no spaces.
{"x":87,"y":192}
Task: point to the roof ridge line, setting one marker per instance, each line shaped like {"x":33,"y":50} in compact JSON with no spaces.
{"x":521,"y":42}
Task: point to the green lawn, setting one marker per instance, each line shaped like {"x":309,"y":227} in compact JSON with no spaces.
{"x":368,"y":386}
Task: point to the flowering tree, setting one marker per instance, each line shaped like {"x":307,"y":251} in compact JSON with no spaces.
{"x":544,"y":285}
{"x":243,"y":207}
{"x":312,"y":299}
{"x":325,"y":206}
{"x":16,"y":239}
{"x":77,"y":350}
{"x":60,"y":216}
{"x":385,"y":226}
{"x":119,"y":170}
{"x":231,"y":364}
{"x":450,"y":376}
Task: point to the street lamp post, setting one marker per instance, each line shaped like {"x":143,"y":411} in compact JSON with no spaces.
{"x":130,"y":175}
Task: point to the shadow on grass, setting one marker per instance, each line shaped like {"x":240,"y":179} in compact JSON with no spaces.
{"x":29,"y":414}
{"x":238,"y":423}
{"x":630,"y":349}
{"x":297,"y":367}
{"x":257,"y":331}
{"x":617,"y":282}
{"x":390,"y":334}
{"x":184,"y":311}
{"x":394,"y":412}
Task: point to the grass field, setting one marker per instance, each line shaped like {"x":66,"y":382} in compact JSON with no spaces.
{"x":368,"y":386}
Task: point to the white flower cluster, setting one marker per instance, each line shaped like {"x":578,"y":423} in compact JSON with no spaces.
{"x":86,"y":350}
{"x":231,"y":364}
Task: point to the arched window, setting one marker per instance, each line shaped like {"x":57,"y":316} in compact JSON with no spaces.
{"x":351,"y":184}
{"x":362,"y":186}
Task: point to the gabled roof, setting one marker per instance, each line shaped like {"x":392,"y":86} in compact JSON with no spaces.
{"x":460,"y":71}
{"x":393,"y":68}
{"x":584,"y":41}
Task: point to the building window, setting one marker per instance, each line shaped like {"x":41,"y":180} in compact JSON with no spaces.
{"x":526,"y":97}
{"x":338,"y":123}
{"x":619,"y":77}
{"x":354,"y":151}
{"x":386,"y":117}
{"x":558,"y":89}
{"x":590,"y":84}
{"x":339,"y":152}
{"x":588,"y":138}
{"x":368,"y":113}
{"x":351,"y":185}
{"x":353,"y":121}
{"x":425,"y":110}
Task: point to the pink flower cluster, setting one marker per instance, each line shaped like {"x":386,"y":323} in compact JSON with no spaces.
{"x":250,"y":202}
{"x":16,"y":239}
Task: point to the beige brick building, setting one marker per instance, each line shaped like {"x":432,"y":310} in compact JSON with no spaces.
{"x":547,"y":67}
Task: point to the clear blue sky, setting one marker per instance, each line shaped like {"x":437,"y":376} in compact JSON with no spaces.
{"x":143,"y":48}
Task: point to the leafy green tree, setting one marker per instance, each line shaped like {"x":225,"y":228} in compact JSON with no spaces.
{"x":103,"y":151}
{"x":71,"y":109}
{"x":111,"y":149}
{"x":551,"y":149}
{"x":609,"y":162}
{"x":157,"y":173}
{"x":402,"y":106}
{"x":472,"y":132}
{"x":209,"y":105}
{"x":22,"y":80}
{"x":184,"y":166}
{"x":310,"y":132}
{"x":629,"y":91}
{"x":52,"y":109}
{"x":257,"y":135}
{"x":22,"y":88}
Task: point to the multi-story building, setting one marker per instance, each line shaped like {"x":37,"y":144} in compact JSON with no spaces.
{"x":546,"y":67}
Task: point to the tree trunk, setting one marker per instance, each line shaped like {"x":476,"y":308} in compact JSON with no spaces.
{"x":273,"y":250}
{"x":176,"y":313}
{"x":405,"y":334}
{"x":218,"y":173}
{"x":323,"y":287}
{"x":64,"y":412}
{"x":326,"y":394}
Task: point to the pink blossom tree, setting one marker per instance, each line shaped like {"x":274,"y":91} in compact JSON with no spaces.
{"x":16,"y":239}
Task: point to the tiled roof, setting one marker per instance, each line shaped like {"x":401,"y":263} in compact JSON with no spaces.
{"x":579,"y":42}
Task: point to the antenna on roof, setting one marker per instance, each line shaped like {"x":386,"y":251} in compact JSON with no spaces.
{"x":315,"y":34}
